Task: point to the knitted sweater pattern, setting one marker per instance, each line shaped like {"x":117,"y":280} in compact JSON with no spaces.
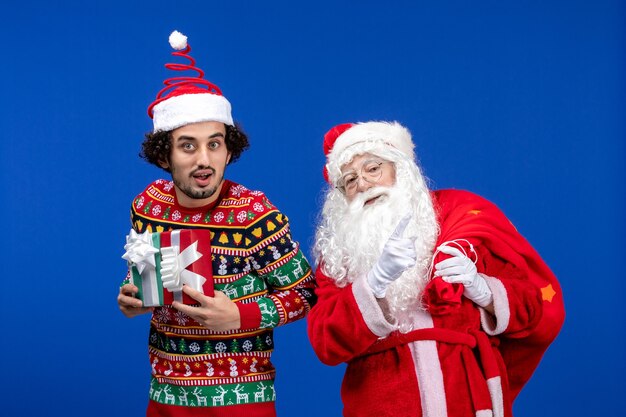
{"x":258,"y":265}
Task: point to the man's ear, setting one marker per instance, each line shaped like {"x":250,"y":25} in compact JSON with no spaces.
{"x":228,"y":158}
{"x":165,"y":165}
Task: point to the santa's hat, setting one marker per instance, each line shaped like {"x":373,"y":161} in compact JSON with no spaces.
{"x":343,"y":142}
{"x":186,"y":99}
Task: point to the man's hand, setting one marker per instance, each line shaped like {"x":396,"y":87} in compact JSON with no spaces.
{"x":398,"y":255}
{"x":461,"y":270}
{"x":129,"y":305}
{"x":218,"y":313}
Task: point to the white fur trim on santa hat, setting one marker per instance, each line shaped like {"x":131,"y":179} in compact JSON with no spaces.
{"x":185,"y":109}
{"x":392,"y":133}
{"x":346,"y":146}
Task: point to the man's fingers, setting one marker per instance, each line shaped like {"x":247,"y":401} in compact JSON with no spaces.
{"x":202,"y":299}
{"x":129,"y":289}
{"x":128,"y":301}
{"x":188,"y":310}
{"x":196,"y":295}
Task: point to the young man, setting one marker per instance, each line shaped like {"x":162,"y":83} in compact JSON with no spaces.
{"x":436,"y":303}
{"x":213,"y":358}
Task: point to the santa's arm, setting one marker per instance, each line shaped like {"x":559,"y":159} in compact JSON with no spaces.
{"x":345,"y":321}
{"x":517,"y":303}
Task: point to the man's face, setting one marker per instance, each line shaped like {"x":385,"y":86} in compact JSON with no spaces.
{"x":197,"y":161}
{"x":364,"y":172}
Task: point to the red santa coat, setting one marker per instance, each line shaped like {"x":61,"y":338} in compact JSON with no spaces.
{"x":459,"y":360}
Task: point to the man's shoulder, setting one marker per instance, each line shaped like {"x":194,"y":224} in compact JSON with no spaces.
{"x":241,"y":196}
{"x":159,"y":191}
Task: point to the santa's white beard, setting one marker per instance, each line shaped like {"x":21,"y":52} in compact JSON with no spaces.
{"x":351,"y":237}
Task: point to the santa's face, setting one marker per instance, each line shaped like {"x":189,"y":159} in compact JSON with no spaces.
{"x":357,"y":222}
{"x":373,"y":203}
{"x":363,"y":173}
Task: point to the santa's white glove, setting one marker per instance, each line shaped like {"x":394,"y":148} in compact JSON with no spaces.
{"x":398,"y":255}
{"x":461,"y":270}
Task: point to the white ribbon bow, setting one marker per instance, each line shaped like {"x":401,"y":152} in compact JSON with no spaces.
{"x":139,"y":250}
{"x":173,"y":267}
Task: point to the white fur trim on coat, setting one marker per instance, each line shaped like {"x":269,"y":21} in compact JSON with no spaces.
{"x":391,"y":133}
{"x":494,"y":326}
{"x":191,"y":108}
{"x":428,"y":370}
{"x":372,"y":314}
{"x":497,"y":398}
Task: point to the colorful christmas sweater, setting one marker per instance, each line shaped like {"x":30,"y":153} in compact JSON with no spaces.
{"x":260,"y":267}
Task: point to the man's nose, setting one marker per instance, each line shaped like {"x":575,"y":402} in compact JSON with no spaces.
{"x":203,"y":157}
{"x":362,"y":184}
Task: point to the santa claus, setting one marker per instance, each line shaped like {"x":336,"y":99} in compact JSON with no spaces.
{"x":433,"y":299}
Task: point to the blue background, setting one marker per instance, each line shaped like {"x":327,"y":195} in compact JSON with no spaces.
{"x":522,"y":102}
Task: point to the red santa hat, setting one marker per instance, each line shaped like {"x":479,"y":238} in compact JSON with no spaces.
{"x":343,"y":142}
{"x":186,"y":99}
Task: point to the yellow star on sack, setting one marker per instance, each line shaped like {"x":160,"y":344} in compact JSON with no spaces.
{"x":548,"y":293}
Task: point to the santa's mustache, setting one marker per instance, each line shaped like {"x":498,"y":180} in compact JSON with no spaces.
{"x":358,"y":202}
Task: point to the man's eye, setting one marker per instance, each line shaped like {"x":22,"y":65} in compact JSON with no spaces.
{"x":187,"y":146}
{"x":214,"y":145}
{"x":349,"y":181}
{"x":372,"y":169}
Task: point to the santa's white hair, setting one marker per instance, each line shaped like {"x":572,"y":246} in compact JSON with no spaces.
{"x":350,"y":236}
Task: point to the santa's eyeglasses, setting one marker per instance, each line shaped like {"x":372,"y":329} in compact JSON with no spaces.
{"x":370,"y":171}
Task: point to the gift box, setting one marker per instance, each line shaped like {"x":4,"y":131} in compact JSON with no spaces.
{"x":161,"y":263}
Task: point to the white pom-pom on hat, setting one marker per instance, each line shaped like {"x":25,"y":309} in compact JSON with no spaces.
{"x":188,"y":99}
{"x":178,"y":41}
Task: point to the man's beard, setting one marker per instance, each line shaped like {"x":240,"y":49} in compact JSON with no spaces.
{"x":351,"y":237}
{"x":196,"y":194}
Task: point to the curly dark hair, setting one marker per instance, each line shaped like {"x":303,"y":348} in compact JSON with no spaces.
{"x":157,"y":146}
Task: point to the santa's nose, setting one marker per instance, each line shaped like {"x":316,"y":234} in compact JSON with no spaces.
{"x":362,"y":184}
